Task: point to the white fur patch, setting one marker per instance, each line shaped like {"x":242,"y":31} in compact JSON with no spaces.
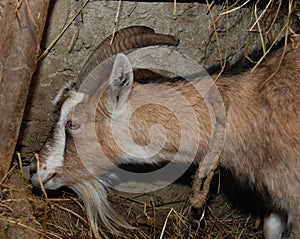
{"x":67,"y":87}
{"x":55,"y":155}
{"x":274,"y":226}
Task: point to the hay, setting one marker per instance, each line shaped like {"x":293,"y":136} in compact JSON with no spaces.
{"x":265,"y":15}
{"x":62,"y":216}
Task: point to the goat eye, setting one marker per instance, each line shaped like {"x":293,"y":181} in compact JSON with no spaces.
{"x":72,"y":125}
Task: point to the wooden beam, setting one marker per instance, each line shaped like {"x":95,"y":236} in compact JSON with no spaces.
{"x":21,"y":31}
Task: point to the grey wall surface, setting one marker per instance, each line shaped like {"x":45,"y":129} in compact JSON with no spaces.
{"x":192,"y":23}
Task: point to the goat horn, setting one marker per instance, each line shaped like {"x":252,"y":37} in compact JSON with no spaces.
{"x":125,"y":39}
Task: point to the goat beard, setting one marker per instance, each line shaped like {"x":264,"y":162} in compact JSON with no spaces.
{"x":93,"y":193}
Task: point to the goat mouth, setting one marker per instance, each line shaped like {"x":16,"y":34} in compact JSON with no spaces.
{"x":40,"y":182}
{"x":48,"y":178}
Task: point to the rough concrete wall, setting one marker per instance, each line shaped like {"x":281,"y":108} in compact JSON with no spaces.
{"x":192,"y":24}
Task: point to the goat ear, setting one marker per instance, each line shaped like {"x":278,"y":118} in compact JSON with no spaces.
{"x":120,"y":83}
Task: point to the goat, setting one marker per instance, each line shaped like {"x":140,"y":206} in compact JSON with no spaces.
{"x":261,"y":148}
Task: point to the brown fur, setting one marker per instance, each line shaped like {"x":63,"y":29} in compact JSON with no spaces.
{"x":262,"y":146}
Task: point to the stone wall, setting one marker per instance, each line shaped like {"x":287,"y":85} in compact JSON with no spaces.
{"x":192,"y":23}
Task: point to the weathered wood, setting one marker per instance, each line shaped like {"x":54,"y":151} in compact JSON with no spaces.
{"x":21,"y":32}
{"x":17,"y":220}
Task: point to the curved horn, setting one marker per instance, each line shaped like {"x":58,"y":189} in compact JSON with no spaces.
{"x":125,"y":39}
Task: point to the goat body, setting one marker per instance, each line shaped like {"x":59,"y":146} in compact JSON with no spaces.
{"x":262,"y":134}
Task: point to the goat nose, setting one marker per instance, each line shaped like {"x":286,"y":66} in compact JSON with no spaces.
{"x":35,"y":181}
{"x":33,"y":167}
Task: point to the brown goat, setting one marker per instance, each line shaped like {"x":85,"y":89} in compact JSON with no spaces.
{"x":105,"y":120}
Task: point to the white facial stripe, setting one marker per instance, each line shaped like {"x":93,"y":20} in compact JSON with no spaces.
{"x":56,"y":151}
{"x":67,"y":87}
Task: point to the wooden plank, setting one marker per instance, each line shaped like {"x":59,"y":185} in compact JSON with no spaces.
{"x":21,"y":32}
{"x":16,"y":220}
